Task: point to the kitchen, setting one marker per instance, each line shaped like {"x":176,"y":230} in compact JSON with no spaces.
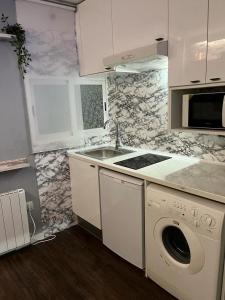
{"x":111,"y":131}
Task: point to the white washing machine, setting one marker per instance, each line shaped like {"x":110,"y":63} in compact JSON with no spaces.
{"x":184,"y":246}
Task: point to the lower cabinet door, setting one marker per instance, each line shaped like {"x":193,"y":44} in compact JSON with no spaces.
{"x":85,"y":191}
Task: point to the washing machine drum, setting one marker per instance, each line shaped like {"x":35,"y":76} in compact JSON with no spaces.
{"x":176,"y":244}
{"x":179,"y":246}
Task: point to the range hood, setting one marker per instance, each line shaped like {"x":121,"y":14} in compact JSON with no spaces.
{"x":152,"y":57}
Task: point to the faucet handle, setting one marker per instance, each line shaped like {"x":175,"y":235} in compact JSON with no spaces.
{"x":106,"y":123}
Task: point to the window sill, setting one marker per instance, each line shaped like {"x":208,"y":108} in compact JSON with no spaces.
{"x":10,"y":165}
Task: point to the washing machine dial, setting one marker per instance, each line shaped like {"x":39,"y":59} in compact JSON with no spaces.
{"x":208,"y":221}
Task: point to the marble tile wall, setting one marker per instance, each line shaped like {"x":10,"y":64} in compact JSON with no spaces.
{"x":55,"y":50}
{"x":140,"y":102}
{"x":54,"y":185}
{"x":54,"y":190}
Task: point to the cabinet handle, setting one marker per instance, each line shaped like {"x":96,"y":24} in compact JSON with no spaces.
{"x":129,"y":56}
{"x":108,"y":68}
{"x":92,"y":166}
{"x":195,"y":81}
{"x":215,"y":79}
{"x":159,"y":39}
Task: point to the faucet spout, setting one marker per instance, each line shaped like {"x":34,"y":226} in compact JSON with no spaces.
{"x":116,"y":123}
{"x":118,"y":143}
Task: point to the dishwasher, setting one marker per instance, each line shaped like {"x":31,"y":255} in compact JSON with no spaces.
{"x":122,"y":211}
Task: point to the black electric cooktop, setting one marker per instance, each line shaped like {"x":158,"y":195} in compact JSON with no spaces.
{"x":141,"y":161}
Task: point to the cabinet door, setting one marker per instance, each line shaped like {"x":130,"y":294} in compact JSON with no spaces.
{"x":187,"y":41}
{"x":85,"y":191}
{"x":138,"y":23}
{"x":94,"y":35}
{"x":216,"y":42}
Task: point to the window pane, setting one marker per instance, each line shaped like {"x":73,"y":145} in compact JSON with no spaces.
{"x":92,"y":106}
{"x":52,"y":108}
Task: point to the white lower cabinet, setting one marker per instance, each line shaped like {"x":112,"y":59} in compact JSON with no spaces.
{"x":122,"y":207}
{"x":85,"y":191}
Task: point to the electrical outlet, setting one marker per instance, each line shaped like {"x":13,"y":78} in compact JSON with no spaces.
{"x":30,"y":205}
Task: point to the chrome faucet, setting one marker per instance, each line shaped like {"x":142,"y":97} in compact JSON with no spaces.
{"x":116,"y":123}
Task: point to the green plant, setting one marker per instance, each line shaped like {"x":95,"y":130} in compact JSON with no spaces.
{"x":18,"y":42}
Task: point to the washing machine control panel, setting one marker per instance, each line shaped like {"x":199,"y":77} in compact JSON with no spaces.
{"x":197,"y":216}
{"x":201,"y":218}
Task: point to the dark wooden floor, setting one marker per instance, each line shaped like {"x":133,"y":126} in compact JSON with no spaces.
{"x":74,"y":266}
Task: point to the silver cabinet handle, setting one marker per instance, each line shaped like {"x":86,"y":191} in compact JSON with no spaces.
{"x":215,"y":79}
{"x":223,"y":113}
{"x":195,"y":81}
{"x":128,"y":56}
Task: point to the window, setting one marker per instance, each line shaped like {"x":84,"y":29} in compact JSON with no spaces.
{"x":92,"y":105}
{"x":91,"y":102}
{"x":63,"y":111}
{"x":53,"y":113}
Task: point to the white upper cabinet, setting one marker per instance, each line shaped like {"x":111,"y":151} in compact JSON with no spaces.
{"x":187,"y":41}
{"x":94,"y":34}
{"x":137,"y":23}
{"x":107,"y":27}
{"x":216,"y":42}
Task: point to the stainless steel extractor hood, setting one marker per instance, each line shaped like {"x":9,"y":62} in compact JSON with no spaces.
{"x":152,"y":57}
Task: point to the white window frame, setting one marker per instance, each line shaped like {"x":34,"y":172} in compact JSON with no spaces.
{"x":77,"y":134}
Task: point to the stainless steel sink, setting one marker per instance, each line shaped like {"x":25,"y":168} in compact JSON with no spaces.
{"x":104,"y":153}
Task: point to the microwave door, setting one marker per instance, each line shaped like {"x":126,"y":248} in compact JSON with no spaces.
{"x":223,"y":113}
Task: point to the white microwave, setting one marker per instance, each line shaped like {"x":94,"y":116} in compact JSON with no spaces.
{"x":206,"y":111}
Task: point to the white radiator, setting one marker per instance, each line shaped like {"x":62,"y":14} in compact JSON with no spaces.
{"x":14,"y":227}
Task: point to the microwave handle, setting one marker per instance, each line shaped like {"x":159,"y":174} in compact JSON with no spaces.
{"x":185,"y":110}
{"x":223,"y":112}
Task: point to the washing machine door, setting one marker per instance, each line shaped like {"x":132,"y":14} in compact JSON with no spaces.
{"x":179,"y":246}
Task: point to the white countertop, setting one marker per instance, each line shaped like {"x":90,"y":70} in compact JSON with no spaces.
{"x":192,"y":175}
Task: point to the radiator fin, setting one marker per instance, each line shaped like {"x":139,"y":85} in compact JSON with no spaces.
{"x":3,"y":241}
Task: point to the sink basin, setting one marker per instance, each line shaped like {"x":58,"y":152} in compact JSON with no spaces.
{"x":104,"y":153}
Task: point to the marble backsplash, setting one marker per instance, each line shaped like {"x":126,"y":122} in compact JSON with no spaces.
{"x":140,"y":103}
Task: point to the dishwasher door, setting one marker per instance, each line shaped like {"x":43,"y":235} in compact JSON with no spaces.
{"x":122,"y":211}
